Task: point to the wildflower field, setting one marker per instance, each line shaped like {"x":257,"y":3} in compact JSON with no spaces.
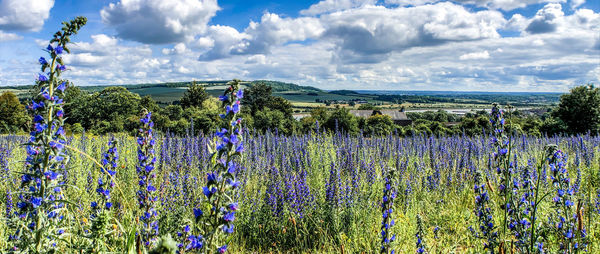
{"x":239,"y":190}
{"x":318,"y":192}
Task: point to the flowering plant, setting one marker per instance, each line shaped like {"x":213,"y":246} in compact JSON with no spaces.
{"x":213,"y":222}
{"x":42,"y":205}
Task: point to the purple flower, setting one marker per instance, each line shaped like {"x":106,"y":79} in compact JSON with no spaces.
{"x":236,"y":108}
{"x":229,"y":217}
{"x":222,"y":249}
{"x":42,"y":78}
{"x":36,"y":201}
{"x":240,"y":94}
{"x":198,"y":212}
{"x":62,"y":86}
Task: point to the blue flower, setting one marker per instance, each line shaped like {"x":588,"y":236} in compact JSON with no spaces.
{"x":42,"y":78}
{"x":197,"y":213}
{"x":240,"y":94}
{"x":229,"y":217}
{"x":43,"y":61}
{"x":222,"y":249}
{"x":58,"y":50}
{"x":228,"y":229}
{"x":233,"y":206}
{"x":36,"y":201}
{"x":62,"y":86}
{"x":223,"y":98}
{"x":236,"y":108}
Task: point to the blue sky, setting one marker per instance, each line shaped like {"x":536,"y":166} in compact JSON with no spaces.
{"x":461,"y":45}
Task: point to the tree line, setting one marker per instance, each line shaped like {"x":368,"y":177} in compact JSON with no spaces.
{"x":115,"y":109}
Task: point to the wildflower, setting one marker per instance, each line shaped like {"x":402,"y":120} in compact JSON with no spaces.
{"x":62,"y":86}
{"x":419,"y":235}
{"x":146,"y":175}
{"x":42,"y":78}
{"x":389,"y":194}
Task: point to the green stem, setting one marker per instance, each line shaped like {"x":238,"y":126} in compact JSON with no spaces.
{"x":535,"y":206}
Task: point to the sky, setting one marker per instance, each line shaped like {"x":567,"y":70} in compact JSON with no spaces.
{"x":460,"y":45}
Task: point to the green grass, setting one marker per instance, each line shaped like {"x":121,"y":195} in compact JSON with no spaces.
{"x":352,"y":229}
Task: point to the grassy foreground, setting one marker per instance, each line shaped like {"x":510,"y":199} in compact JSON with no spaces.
{"x":318,"y":192}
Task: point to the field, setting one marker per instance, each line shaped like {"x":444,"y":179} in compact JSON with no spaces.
{"x":319,"y":192}
{"x":304,"y":98}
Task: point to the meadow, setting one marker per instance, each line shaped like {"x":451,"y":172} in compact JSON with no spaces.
{"x":319,"y":192}
{"x":242,"y":190}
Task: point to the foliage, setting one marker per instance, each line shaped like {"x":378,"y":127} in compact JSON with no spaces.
{"x":12,"y":113}
{"x":379,"y":125}
{"x":341,"y":120}
{"x":194,"y":96}
{"x":39,"y":222}
{"x":580,"y":109}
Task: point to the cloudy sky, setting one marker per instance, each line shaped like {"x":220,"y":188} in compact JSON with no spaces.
{"x":467,"y":45}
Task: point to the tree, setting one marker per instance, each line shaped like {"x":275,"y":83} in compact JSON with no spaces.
{"x":379,"y":125}
{"x":320,"y":114}
{"x":282,"y":105}
{"x":367,"y":106}
{"x":272,"y":120}
{"x":194,"y":96}
{"x":12,"y":113}
{"x":342,"y":120}
{"x":580,"y":109}
{"x":257,"y":97}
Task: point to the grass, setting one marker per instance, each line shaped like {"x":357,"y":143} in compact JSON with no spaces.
{"x":352,"y":227}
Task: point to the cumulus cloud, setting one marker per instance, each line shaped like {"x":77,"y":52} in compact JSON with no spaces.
{"x":258,"y":37}
{"x":22,"y":15}
{"x":105,"y":59}
{"x":506,"y":5}
{"x":551,"y":18}
{"x":327,"y":6}
{"x":370,"y":34}
{"x":546,"y":20}
{"x":275,"y":30}
{"x":576,"y":3}
{"x":475,"y":55}
{"x":429,"y":45}
{"x":9,"y":36}
{"x":219,"y":42}
{"x":159,"y":21}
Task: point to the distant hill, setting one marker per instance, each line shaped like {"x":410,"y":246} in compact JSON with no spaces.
{"x":302,"y":96}
{"x":286,"y":87}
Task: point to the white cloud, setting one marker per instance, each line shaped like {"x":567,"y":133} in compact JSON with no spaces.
{"x":327,"y":6}
{"x":506,"y":5}
{"x":546,"y":20}
{"x":159,"y":21}
{"x":475,"y":55}
{"x":22,"y":15}
{"x":218,"y":42}
{"x":576,"y":3}
{"x":9,"y":36}
{"x":275,"y":30}
{"x":359,"y":46}
{"x":371,"y":33}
